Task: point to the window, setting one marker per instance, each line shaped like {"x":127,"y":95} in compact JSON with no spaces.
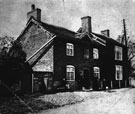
{"x":70,"y":49}
{"x":119,"y":72}
{"x":86,"y":54}
{"x":95,"y":53}
{"x":118,"y":53}
{"x":96,"y":72}
{"x":70,"y":70}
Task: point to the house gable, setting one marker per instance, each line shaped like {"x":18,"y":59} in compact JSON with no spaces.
{"x":33,"y":37}
{"x":45,"y":63}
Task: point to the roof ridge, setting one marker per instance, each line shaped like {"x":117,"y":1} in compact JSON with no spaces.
{"x":56,"y":26}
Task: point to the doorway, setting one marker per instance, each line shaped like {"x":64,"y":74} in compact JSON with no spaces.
{"x":86,"y":80}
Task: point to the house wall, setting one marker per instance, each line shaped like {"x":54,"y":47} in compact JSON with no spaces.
{"x":55,"y":60}
{"x":42,"y":81}
{"x":109,"y":61}
{"x":78,"y":61}
{"x":61,"y":60}
{"x":45,"y":64}
{"x":110,"y":67}
{"x":33,"y":38}
{"x":100,"y":62}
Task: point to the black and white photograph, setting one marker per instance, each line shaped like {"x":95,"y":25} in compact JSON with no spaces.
{"x":67,"y":57}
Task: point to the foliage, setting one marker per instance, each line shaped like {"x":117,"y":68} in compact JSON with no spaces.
{"x":6,"y":42}
{"x":12,"y":62}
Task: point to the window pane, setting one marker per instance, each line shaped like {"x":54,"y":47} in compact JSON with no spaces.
{"x":70,"y":75}
{"x":70,"y":49}
{"x":119,"y":72}
{"x":96,"y":72}
{"x":86,"y":53}
{"x":118,"y":53}
{"x":95,"y":53}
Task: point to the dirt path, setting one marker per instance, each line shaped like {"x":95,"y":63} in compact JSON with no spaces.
{"x":126,"y":105}
{"x":116,"y":103}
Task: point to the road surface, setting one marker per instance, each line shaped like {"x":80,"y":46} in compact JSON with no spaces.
{"x":119,"y":102}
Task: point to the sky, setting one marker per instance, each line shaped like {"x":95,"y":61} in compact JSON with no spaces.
{"x":105,"y":14}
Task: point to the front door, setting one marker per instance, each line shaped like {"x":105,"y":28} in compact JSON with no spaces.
{"x":86,"y":80}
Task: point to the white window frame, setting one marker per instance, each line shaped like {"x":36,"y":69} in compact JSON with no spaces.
{"x":118,"y":50}
{"x":70,"y":71}
{"x":69,"y":49}
{"x":118,"y":71}
{"x":95,"y":53}
{"x":86,"y":53}
{"x":96,"y":71}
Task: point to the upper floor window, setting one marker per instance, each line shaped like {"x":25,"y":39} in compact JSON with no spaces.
{"x":95,"y":53}
{"x":118,"y":53}
{"x":70,"y":73}
{"x":96,"y":72}
{"x":118,"y":72}
{"x":70,"y":49}
{"x":86,"y":53}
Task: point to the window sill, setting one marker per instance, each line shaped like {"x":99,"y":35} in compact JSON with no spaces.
{"x":70,"y":80}
{"x":118,"y":60}
{"x":70,"y":55}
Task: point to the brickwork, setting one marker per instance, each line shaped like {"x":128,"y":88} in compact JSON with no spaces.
{"x":45,"y":64}
{"x":33,"y":39}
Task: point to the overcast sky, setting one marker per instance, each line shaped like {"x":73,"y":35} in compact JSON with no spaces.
{"x":106,"y":14}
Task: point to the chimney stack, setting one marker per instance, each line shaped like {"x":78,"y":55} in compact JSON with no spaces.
{"x":106,"y":33}
{"x":35,"y":12}
{"x":86,"y":24}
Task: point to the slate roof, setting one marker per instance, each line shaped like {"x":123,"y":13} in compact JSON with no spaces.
{"x":83,"y":36}
{"x":108,"y":39}
{"x":57,"y":30}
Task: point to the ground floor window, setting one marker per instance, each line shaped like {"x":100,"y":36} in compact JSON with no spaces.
{"x":96,"y":72}
{"x":70,"y":73}
{"x":118,"y":72}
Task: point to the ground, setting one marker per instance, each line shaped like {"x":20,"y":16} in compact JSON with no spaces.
{"x":121,"y":101}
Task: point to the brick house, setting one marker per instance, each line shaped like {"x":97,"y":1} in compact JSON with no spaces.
{"x":61,"y":58}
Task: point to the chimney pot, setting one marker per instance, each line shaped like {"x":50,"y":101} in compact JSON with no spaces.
{"x":36,"y":13}
{"x":32,"y":7}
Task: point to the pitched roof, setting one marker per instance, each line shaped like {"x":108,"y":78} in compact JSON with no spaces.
{"x":40,"y":52}
{"x":51,"y":29}
{"x":107,"y":39}
{"x":103,"y":37}
{"x":57,"y":30}
{"x":92,"y":38}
